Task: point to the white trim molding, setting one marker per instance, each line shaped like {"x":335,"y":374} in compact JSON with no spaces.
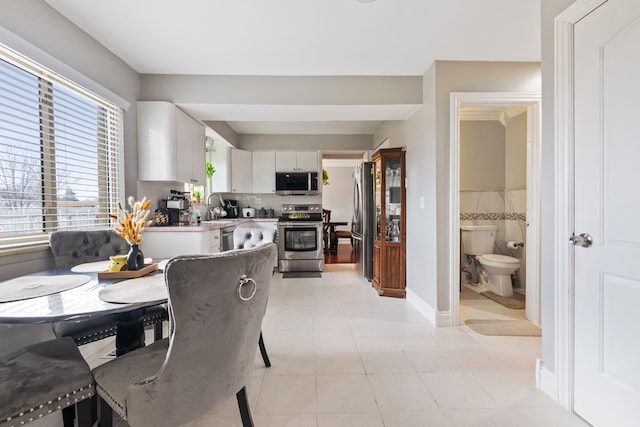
{"x":564,"y":201}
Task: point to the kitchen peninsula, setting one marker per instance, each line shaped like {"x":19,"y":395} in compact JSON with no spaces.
{"x":207,"y":237}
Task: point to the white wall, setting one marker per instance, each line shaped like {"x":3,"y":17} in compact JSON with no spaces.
{"x":338,"y":195}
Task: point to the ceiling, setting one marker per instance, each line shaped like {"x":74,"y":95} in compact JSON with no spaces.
{"x":306,"y":38}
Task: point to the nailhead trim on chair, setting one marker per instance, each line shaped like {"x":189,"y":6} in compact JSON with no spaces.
{"x":50,"y":406}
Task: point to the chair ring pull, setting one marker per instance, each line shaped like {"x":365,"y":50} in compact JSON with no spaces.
{"x":244,"y":280}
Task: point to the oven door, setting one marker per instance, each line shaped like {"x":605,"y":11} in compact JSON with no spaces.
{"x":300,"y":246}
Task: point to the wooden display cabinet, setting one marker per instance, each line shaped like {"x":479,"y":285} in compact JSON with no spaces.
{"x":389,"y":247}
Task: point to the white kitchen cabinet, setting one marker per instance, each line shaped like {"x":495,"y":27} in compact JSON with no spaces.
{"x":241,"y":171}
{"x":170,"y":144}
{"x":263,"y":171}
{"x":297,"y":161}
{"x":167,"y":244}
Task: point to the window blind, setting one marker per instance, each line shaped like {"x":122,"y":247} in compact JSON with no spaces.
{"x":60,"y":153}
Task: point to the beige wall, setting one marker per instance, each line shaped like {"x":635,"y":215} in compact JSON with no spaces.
{"x":426,"y":135}
{"x":515,"y":169}
{"x":482,"y":155}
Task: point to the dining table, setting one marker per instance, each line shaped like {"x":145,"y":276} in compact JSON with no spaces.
{"x":333,"y":241}
{"x":80,"y":293}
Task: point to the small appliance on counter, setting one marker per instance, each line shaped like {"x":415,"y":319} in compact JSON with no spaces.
{"x":173,"y":204}
{"x":232,"y":209}
{"x":248,"y":212}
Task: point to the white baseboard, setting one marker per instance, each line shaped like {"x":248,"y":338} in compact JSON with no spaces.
{"x":546,"y":380}
{"x":425,"y":309}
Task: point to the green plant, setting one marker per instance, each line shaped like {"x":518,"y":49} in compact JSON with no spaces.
{"x":325,"y":177}
{"x":197,"y":193}
{"x":210,"y":170}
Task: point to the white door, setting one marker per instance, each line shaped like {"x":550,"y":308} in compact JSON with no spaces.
{"x":607,"y":207}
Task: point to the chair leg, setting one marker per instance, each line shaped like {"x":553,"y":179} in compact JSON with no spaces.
{"x":69,"y":416}
{"x":157,"y":331}
{"x":263,"y":352}
{"x":105,"y":413}
{"x":85,"y":413}
{"x":243,"y":405}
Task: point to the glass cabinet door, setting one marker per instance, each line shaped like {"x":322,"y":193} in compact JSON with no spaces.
{"x":393,"y":198}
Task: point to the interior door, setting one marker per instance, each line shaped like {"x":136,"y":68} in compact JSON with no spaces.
{"x":607,"y":208}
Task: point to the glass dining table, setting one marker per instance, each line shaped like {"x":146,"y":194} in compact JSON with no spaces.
{"x":89,"y":300}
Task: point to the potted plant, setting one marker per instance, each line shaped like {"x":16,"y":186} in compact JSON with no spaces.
{"x":196,"y":195}
{"x":210,"y":170}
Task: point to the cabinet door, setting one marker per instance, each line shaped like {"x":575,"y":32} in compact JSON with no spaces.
{"x":264,"y":171}
{"x":190,"y":149}
{"x":307,"y":161}
{"x":240,"y":171}
{"x":215,"y":244}
{"x":156,"y":141}
{"x":286,"y":161}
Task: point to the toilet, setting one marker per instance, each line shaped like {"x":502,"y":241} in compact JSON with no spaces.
{"x":478,"y":241}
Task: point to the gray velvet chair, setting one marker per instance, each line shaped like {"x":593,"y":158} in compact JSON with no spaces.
{"x":43,"y":378}
{"x":250,"y":237}
{"x":74,"y":247}
{"x":216,"y":306}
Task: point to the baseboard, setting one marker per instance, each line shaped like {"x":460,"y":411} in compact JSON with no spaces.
{"x":546,"y":380}
{"x":425,"y":309}
{"x":444,"y":319}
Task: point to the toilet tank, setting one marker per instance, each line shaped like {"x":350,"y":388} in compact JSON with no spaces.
{"x":478,"y":239}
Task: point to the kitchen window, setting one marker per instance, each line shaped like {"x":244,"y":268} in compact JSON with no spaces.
{"x":60,"y":154}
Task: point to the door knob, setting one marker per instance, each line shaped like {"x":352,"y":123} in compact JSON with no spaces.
{"x":585,"y":240}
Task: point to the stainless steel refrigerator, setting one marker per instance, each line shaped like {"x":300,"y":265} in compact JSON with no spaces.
{"x":363,"y":218}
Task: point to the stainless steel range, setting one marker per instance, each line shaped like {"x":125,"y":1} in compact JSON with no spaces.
{"x":300,"y":238}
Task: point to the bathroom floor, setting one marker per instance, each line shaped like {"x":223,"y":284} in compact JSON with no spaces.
{"x":342,"y":356}
{"x":475,"y":306}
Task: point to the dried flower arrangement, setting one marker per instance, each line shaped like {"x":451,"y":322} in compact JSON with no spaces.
{"x":131,"y":225}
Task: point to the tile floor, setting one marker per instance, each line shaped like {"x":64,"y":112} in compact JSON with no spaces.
{"x":344,"y":357}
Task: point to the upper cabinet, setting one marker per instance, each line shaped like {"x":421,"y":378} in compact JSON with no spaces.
{"x":297,"y":161}
{"x":170,"y":144}
{"x":241,"y":171}
{"x":264,"y":171}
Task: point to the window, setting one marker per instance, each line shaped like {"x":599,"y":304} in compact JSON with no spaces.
{"x":60,"y":155}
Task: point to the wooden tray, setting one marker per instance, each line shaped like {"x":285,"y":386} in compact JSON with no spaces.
{"x":148,"y":268}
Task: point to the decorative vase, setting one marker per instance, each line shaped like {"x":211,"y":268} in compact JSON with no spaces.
{"x":135,"y":258}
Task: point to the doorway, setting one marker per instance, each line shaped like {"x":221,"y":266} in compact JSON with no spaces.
{"x":503,"y":100}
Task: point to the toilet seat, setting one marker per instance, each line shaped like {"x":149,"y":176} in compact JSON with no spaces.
{"x":496,"y":260}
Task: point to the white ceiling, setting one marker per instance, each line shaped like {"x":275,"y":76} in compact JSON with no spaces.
{"x":306,"y":38}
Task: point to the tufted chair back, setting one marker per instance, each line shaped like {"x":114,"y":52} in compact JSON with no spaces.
{"x":248,"y":237}
{"x":73,"y":247}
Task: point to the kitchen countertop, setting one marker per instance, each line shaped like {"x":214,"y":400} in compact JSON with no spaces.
{"x":207,"y":225}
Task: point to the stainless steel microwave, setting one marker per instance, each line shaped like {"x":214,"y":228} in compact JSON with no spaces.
{"x":296,"y":183}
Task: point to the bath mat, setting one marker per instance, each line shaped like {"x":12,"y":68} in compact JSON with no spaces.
{"x":518,"y":328}
{"x":301,"y":275}
{"x":516,"y":301}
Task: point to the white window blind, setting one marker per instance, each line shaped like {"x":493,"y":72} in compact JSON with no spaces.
{"x":60,"y":153}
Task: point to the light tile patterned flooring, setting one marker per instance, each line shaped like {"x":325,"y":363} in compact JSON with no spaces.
{"x":344,"y":357}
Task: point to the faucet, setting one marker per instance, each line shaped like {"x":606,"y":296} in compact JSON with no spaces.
{"x":219,"y":197}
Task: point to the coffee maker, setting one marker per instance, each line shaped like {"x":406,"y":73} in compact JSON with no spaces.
{"x":232,"y":208}
{"x":175,"y":204}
